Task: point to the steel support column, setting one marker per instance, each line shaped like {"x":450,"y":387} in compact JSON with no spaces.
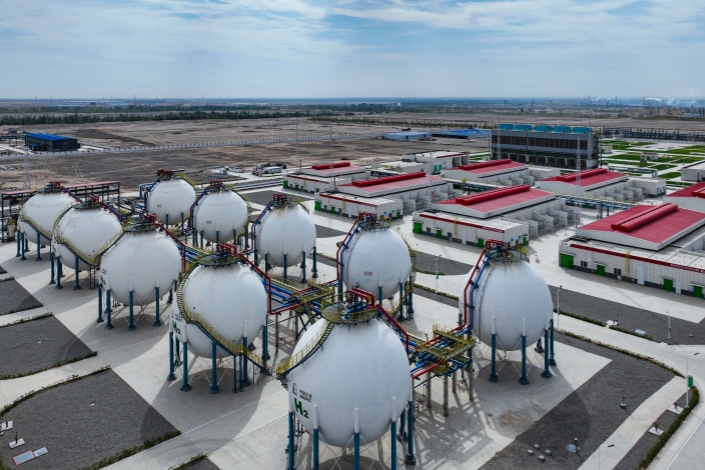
{"x":245,"y":378}
{"x":77,"y":281}
{"x":59,"y":273}
{"x":185,"y":387}
{"x":39,"y":246}
{"x":410,"y":457}
{"x":445,"y":395}
{"x":157,"y":320}
{"x":552,"y":360}
{"x":314,"y":270}
{"x":546,"y":369}
{"x":131,"y":324}
{"x":214,"y":368}
{"x":394,"y":445}
{"x":493,"y":368}
{"x":171,"y":375}
{"x":290,"y":448}
{"x":108,"y":311}
{"x":24,"y":248}
{"x":303,"y":267}
{"x":52,"y":267}
{"x":524,"y":380}
{"x":265,"y":341}
{"x":100,"y":304}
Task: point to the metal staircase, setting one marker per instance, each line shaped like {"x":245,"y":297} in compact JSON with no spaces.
{"x":305,"y":353}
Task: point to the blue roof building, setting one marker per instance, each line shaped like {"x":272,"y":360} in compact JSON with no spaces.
{"x":50,"y":142}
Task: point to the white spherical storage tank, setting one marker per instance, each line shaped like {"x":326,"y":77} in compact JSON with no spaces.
{"x":86,"y":228}
{"x":140,"y":259}
{"x":41,"y":210}
{"x":363,"y":367}
{"x":220,"y":216}
{"x":231,"y":299}
{"x":377,"y":256}
{"x":516,"y":295}
{"x":289,"y":230}
{"x":173,"y":198}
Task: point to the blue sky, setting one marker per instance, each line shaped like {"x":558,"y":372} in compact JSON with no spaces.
{"x":348,"y":48}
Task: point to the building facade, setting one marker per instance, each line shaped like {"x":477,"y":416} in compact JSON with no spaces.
{"x":50,"y":142}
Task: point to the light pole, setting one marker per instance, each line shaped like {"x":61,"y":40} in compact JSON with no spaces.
{"x":599,"y":453}
{"x":669,"y":324}
{"x":437,"y":272}
{"x":558,"y":308}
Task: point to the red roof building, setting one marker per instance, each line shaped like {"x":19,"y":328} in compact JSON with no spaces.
{"x":584,"y":182}
{"x":495,"y":201}
{"x":692,"y":197}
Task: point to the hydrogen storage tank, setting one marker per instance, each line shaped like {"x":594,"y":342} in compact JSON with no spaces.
{"x":512,"y":295}
{"x":141,"y":260}
{"x":41,"y":211}
{"x":361,"y":366}
{"x":83,"y":230}
{"x":220,"y":215}
{"x":225,"y":294}
{"x":374,"y":257}
{"x":170,"y":198}
{"x":286,"y":228}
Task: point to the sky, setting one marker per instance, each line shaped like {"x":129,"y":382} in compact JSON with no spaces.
{"x":350,"y":48}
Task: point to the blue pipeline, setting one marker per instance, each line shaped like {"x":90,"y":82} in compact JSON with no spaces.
{"x":346,"y":245}
{"x":472,"y":293}
{"x":195,"y":203}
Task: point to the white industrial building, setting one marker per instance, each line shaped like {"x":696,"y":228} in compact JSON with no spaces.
{"x":412,"y":190}
{"x":692,"y":197}
{"x":603,"y":184}
{"x":659,"y":246}
{"x":537,"y":212}
{"x":324,"y":176}
{"x":407,"y":135}
{"x":352,"y":206}
{"x":693,"y":172}
{"x":500,"y":172}
{"x":438,"y":161}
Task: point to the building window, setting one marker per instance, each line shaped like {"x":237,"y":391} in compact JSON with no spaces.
{"x":583,"y":264}
{"x":617,"y":272}
{"x":428,"y":229}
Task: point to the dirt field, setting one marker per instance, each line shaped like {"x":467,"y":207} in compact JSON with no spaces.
{"x":140,"y":167}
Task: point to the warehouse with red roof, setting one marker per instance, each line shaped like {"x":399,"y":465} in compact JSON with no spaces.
{"x":502,"y":172}
{"x":692,"y":197}
{"x":654,"y":245}
{"x":601,"y":183}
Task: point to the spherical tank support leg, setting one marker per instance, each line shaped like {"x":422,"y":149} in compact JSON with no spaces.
{"x":285,"y":278}
{"x":524,"y":380}
{"x":53,"y":269}
{"x":552,"y":360}
{"x":39,"y":246}
{"x":18,"y":239}
{"x":245,"y":378}
{"x":24,"y":248}
{"x":157,"y":319}
{"x":356,"y":451}
{"x":185,"y":387}
{"x":303,"y":267}
{"x":171,"y":375}
{"x":214,"y":369}
{"x":290,"y":448}
{"x":493,"y":367}
{"x":265,"y":341}
{"x":77,"y":281}
{"x":546,"y":369}
{"x":100,"y":304}
{"x":59,"y":273}
{"x":394,"y":445}
{"x":410,"y":457}
{"x":108,"y":311}
{"x":315,"y":449}
{"x":314,"y":270}
{"x":131,"y":325}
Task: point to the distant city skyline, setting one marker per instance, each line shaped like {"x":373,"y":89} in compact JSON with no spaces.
{"x":305,"y":49}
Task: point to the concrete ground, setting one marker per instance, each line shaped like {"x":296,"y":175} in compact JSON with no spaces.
{"x":37,"y":344}
{"x":204,"y":464}
{"x":81,"y":423}
{"x":249,"y":428}
{"x":15,"y":298}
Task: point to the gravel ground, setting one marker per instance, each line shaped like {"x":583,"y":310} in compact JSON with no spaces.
{"x":591,"y":413}
{"x":647,"y":441}
{"x":36,"y":345}
{"x":631,"y":318}
{"x":14,"y":298}
{"x":204,"y":464}
{"x":325,"y":232}
{"x":81,"y":423}
{"x":264,"y":197}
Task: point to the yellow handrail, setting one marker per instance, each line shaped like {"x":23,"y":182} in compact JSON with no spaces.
{"x":306,"y":351}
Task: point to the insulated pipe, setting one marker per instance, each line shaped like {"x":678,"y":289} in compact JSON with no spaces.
{"x":51,"y":265}
{"x":493,"y":369}
{"x":39,"y":246}
{"x":77,"y":282}
{"x":171,"y":375}
{"x":131,"y":325}
{"x":214,"y":369}
{"x":524,"y":380}
{"x":100,"y":304}
{"x":185,"y":387}
{"x":552,"y":360}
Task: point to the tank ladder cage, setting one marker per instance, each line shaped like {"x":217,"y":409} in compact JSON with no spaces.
{"x":210,"y":332}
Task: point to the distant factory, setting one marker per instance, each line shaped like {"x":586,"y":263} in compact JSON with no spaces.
{"x":555,"y":146}
{"x":50,"y":142}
